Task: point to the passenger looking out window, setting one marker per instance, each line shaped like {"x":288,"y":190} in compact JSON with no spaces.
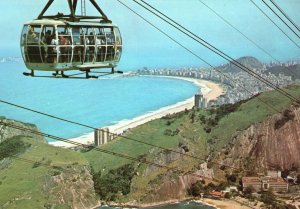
{"x":54,"y":50}
{"x":45,"y":42}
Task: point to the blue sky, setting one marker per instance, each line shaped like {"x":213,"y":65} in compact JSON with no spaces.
{"x":145,"y":46}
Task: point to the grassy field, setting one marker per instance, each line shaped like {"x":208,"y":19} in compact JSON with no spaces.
{"x":152,"y":132}
{"x":21,"y":183}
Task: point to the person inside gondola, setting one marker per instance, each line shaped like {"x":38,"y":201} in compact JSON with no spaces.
{"x":32,"y":37}
{"x":90,"y":49}
{"x":100,"y":42}
{"x":53,"y":49}
{"x":32,"y":45}
{"x":78,"y":41}
{"x":63,"y":49}
{"x":45,"y":42}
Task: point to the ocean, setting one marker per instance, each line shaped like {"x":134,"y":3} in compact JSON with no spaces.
{"x":181,"y":205}
{"x":96,"y":103}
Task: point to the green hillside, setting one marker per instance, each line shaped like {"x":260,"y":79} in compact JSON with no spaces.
{"x":24,"y":176}
{"x":49,"y":171}
{"x":205,"y":132}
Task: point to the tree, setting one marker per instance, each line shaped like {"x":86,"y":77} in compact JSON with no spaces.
{"x":268,"y":197}
{"x":249,"y":190}
{"x":285,"y":173}
{"x":115,"y":182}
{"x":298,"y":179}
{"x":228,"y":195}
{"x":197,"y":188}
{"x":231,"y":178}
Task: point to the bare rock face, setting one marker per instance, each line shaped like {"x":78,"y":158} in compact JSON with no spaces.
{"x":176,"y":188}
{"x":272,"y":144}
{"x":72,"y":187}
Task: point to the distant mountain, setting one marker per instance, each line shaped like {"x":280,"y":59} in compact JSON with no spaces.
{"x":293,"y":70}
{"x":249,"y":62}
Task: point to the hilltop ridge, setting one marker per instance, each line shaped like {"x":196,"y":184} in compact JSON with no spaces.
{"x":247,"y":61}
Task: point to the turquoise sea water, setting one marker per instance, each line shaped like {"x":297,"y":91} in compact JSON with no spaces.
{"x":181,"y":205}
{"x":95,"y":103}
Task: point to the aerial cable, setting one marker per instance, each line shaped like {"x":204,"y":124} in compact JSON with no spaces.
{"x":197,"y":56}
{"x":239,"y":31}
{"x":243,"y":34}
{"x":274,"y":23}
{"x":287,"y":17}
{"x":116,"y":154}
{"x":117,"y":135}
{"x":217,"y":51}
{"x":280,"y":18}
{"x":214,"y":49}
{"x":83,"y":8}
{"x":81,"y":145}
{"x":120,"y":135}
{"x":32,"y":161}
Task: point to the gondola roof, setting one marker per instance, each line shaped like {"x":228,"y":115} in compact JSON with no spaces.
{"x":66,"y":22}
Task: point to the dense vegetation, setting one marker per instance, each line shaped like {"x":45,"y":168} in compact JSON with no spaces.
{"x":12,"y":147}
{"x":115,"y":182}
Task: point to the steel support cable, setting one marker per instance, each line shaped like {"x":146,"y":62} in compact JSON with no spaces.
{"x":102,"y":150}
{"x":83,"y":125}
{"x":197,"y":56}
{"x":82,"y":145}
{"x":280,"y":18}
{"x":124,"y":136}
{"x":32,"y":161}
{"x":243,"y":34}
{"x":215,"y":50}
{"x":285,"y":14}
{"x":127,"y":137}
{"x":239,"y":31}
{"x":117,"y":135}
{"x":274,"y":23}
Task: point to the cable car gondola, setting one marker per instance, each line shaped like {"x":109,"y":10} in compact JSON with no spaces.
{"x":61,"y":43}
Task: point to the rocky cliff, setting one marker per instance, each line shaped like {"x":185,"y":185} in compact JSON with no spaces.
{"x":177,"y":188}
{"x":7,"y":132}
{"x":272,"y":144}
{"x":73,"y":187}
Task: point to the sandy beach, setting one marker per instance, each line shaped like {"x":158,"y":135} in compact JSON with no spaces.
{"x":223,"y":204}
{"x":218,"y":204}
{"x":210,"y":91}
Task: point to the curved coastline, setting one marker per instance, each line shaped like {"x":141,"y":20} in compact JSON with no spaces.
{"x":210,"y":91}
{"x":217,"y":204}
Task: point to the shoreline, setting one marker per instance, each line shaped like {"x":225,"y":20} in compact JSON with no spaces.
{"x":216,"y":203}
{"x":209,"y":89}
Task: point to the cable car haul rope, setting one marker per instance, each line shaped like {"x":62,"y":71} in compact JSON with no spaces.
{"x":61,"y":43}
